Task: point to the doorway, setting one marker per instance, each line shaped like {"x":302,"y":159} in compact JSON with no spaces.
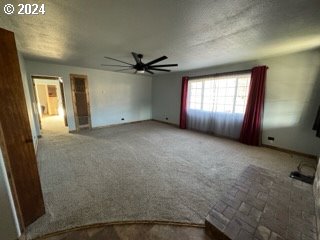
{"x":50,"y":103}
{"x":80,"y":99}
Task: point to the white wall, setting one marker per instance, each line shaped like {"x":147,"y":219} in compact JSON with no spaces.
{"x":292,"y":98}
{"x":42,"y":89}
{"x":27,"y":91}
{"x":42,"y":96}
{"x":9,"y":227}
{"x":112,"y":95}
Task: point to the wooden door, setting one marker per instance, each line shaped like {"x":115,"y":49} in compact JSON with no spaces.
{"x":80,"y":98}
{"x":15,"y":135}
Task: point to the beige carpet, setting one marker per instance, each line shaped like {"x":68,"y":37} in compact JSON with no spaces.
{"x":141,"y":171}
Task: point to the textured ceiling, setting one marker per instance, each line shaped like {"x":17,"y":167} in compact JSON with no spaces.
{"x":192,"y":33}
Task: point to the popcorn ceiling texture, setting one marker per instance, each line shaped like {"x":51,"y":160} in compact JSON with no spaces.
{"x":195,"y":34}
{"x":141,"y":171}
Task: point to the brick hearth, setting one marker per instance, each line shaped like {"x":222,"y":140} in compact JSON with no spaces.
{"x":264,"y":205}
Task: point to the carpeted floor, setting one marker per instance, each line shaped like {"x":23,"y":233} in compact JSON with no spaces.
{"x":141,"y":171}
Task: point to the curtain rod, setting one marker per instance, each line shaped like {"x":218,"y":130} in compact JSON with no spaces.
{"x":223,"y":73}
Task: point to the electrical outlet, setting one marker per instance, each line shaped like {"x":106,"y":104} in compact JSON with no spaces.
{"x":270,"y":139}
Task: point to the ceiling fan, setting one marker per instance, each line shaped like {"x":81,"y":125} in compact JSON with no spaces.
{"x":141,"y":67}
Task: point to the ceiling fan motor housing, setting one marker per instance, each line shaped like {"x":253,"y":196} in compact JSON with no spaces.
{"x":144,"y":67}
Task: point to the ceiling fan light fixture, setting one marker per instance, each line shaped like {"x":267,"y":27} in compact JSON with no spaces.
{"x":140,"y":66}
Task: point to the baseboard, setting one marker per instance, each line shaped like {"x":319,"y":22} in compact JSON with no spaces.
{"x":119,"y":124}
{"x":290,"y":151}
{"x":172,"y":124}
{"x":263,"y":145}
{"x":176,"y":125}
{"x":112,"y":125}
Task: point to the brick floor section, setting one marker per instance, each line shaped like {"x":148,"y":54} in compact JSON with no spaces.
{"x":263,"y":205}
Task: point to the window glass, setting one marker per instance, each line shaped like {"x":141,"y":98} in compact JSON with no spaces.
{"x":220,"y":94}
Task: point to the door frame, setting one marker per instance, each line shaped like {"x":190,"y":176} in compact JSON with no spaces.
{"x":63,"y":100}
{"x":85,"y":77}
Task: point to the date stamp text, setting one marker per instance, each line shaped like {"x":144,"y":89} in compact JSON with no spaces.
{"x":25,"y":9}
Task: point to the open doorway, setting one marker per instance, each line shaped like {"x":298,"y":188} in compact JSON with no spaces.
{"x":50,"y":103}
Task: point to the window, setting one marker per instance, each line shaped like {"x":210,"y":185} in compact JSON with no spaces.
{"x":227,"y":94}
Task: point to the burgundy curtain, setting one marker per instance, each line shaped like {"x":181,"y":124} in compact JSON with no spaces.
{"x":183,"y":107}
{"x":251,"y":128}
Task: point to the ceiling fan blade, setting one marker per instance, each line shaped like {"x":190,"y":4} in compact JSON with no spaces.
{"x":165,"y":65}
{"x":111,"y":65}
{"x":156,"y":60}
{"x":135,"y":56}
{"x":118,"y":60}
{"x":149,"y":71}
{"x":123,"y":69}
{"x":158,"y":69}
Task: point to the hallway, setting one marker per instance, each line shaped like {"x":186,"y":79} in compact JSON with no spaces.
{"x":53,"y":125}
